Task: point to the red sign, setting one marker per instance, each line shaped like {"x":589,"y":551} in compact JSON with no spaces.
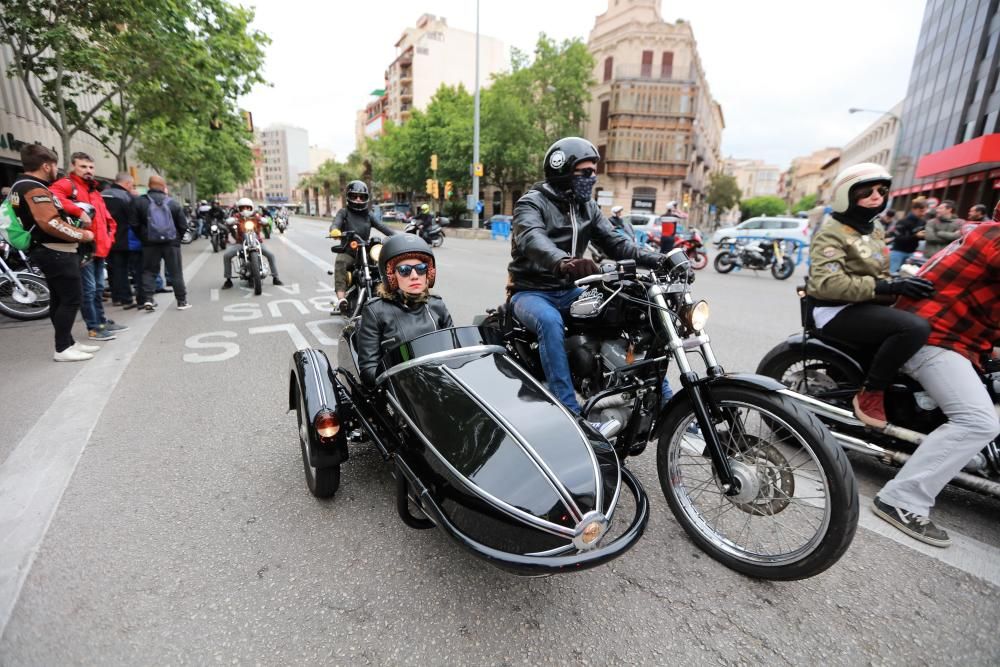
{"x":981,"y":150}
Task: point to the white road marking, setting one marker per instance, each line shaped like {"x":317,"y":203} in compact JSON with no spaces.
{"x":293,"y":332}
{"x":214,"y":294}
{"x":326,"y":266}
{"x":37,"y":472}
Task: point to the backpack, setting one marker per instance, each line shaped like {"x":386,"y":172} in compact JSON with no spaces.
{"x":11,"y":228}
{"x":161,"y":221}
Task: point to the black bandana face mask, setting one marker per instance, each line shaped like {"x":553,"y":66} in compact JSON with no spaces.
{"x":583,"y":186}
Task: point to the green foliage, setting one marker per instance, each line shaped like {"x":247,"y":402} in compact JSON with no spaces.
{"x":806,"y":203}
{"x":332,"y":177}
{"x":765,"y":205}
{"x":723,"y":192}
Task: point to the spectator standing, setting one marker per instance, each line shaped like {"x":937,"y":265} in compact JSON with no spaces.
{"x":943,"y":229}
{"x":161,"y":223}
{"x":122,"y":260}
{"x":907,"y":234}
{"x":54,"y":242}
{"x":977,"y":214}
{"x":80,"y":186}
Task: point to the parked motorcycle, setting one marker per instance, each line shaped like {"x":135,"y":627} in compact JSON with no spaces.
{"x":251,"y":265}
{"x":191,"y":233}
{"x":433,"y":234}
{"x":756,"y":481}
{"x":24,"y":294}
{"x":823,"y":375}
{"x":694,"y":247}
{"x":363,"y":279}
{"x":756,"y":255}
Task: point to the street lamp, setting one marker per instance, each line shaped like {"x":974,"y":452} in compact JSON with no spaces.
{"x":894,"y":163}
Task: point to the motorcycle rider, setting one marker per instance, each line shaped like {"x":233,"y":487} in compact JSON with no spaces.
{"x":964,"y":317}
{"x":356,"y":218}
{"x":620,"y":224}
{"x":849,"y":282}
{"x":245,"y":209}
{"x":405,"y":308}
{"x":424,"y":221}
{"x":553,"y":223}
{"x":202,"y":216}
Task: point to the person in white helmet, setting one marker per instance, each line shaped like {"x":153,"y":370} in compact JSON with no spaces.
{"x":851,"y":288}
{"x":246,"y":211}
{"x":620,"y":224}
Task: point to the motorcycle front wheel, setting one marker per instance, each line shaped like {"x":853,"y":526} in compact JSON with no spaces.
{"x":784,"y":271}
{"x":724,"y":262}
{"x":31,"y":304}
{"x":796,"y":509}
{"x":698,"y":259}
{"x":255,"y":274}
{"x":215,"y":244}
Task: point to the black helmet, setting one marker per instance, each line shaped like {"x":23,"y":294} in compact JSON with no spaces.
{"x":563,"y":156}
{"x":404,"y":246}
{"x":356,"y":188}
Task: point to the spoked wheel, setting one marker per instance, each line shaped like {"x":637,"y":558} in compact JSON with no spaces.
{"x":827,"y":379}
{"x":32,"y":303}
{"x":783,"y":271}
{"x":724,"y":262}
{"x":255,"y":274}
{"x":796,"y":507}
{"x":698,"y":259}
{"x":322,"y":482}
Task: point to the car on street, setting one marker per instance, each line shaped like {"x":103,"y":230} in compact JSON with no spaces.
{"x":780,"y":227}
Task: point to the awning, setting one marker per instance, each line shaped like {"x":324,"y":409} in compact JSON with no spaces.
{"x":977,"y":154}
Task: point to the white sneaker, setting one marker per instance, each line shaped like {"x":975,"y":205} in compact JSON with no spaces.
{"x":80,"y":347}
{"x":70,"y":354}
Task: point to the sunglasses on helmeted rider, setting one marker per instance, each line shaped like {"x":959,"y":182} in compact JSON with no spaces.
{"x":406,"y":269}
{"x":866,"y":192}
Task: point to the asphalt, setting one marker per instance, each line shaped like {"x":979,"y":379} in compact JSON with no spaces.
{"x":183,"y":532}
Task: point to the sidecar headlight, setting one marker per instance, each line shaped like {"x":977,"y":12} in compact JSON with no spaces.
{"x":375,"y":251}
{"x":696,"y":315}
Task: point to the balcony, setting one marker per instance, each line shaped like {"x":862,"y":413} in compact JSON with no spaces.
{"x":639,"y":169}
{"x":654,"y":72}
{"x":405,"y":75}
{"x":406,"y":93}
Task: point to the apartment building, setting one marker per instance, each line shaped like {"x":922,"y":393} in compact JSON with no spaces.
{"x":755,"y":178}
{"x":285,"y":150}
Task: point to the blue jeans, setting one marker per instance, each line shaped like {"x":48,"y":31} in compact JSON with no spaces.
{"x":542,"y":313}
{"x":896,"y":259}
{"x":92,"y":305}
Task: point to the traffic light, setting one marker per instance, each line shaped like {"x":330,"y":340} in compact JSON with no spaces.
{"x":429,"y":186}
{"x":434,"y":162}
{"x":447,"y":189}
{"x":686,"y":200}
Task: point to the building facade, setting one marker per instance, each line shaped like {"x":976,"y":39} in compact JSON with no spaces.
{"x":806,"y":175}
{"x":754,"y":178}
{"x":876,"y":143}
{"x":949,"y":143}
{"x":286,"y":155}
{"x":652,"y":115}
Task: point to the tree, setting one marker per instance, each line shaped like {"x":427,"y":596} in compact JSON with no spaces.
{"x":765,"y":205}
{"x":806,"y":203}
{"x":723,"y":192}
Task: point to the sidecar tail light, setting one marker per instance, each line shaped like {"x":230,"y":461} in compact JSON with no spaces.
{"x":327,"y":424}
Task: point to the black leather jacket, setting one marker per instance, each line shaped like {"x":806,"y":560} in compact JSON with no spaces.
{"x":360,"y":223}
{"x":385,"y":323}
{"x":547,"y":229}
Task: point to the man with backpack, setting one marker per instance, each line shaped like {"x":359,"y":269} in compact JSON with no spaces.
{"x":160,"y":224}
{"x":53,"y":245}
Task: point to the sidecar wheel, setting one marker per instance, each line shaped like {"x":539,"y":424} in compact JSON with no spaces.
{"x":322,"y":482}
{"x":724,"y":262}
{"x":796,"y":510}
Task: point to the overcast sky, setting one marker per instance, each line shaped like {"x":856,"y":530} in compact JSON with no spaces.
{"x":784,"y":71}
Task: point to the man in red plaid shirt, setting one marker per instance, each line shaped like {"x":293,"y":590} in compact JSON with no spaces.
{"x":964,"y":314}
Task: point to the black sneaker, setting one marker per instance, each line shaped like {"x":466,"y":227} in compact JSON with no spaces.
{"x":914,"y":525}
{"x":228,"y":284}
{"x":277,"y":282}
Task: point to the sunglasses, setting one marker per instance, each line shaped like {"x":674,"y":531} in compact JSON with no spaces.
{"x":588,"y":172}
{"x":405,"y":270}
{"x":866,"y":192}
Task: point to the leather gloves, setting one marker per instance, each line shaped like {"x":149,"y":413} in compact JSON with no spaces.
{"x":915,"y":288}
{"x":577,"y":267}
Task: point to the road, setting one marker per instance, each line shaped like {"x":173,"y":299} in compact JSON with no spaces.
{"x":153,"y":511}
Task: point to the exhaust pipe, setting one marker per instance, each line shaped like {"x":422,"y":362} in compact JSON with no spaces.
{"x":846,"y":417}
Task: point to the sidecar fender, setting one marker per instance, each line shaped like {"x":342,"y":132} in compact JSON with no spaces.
{"x":312,"y":384}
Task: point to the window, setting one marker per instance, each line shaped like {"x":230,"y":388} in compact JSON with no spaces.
{"x":608,"y":65}
{"x":604,"y":115}
{"x":667,"y":65}
{"x":602,"y":150}
{"x":647,"y":64}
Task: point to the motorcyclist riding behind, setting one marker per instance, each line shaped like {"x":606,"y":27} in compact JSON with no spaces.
{"x":553,"y":223}
{"x":356,"y":218}
{"x":620,"y":224}
{"x":851,"y":288}
{"x":245,"y":210}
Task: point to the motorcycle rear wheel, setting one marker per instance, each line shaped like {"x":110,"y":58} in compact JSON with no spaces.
{"x":797,"y":508}
{"x":698,"y":259}
{"x":255,"y":274}
{"x":822,"y":376}
{"x":438,"y":241}
{"x":724,"y":262}
{"x":31,"y":306}
{"x":785,"y":271}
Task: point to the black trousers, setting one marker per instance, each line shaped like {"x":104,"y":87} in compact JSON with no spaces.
{"x":897,"y":335}
{"x":170,"y":255}
{"x":121,"y":265}
{"x":62,"y":273}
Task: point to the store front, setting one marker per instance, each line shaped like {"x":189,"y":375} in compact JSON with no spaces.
{"x":967,"y":173}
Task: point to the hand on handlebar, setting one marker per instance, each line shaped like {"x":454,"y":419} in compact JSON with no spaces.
{"x":577,"y":267}
{"x":915,"y":288}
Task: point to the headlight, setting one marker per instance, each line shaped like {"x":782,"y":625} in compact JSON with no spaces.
{"x":696,"y":315}
{"x":375,"y":251}
{"x":248,"y":225}
{"x":215,"y":228}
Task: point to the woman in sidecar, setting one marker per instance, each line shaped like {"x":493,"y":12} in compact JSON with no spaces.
{"x":478,"y":446}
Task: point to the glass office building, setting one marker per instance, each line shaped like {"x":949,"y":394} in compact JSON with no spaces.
{"x":949,"y":141}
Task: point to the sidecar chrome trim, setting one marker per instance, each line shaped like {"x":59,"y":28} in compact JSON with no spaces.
{"x":543,"y":467}
{"x":439,"y":356}
{"x":314,"y":355}
{"x":542,"y":524}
